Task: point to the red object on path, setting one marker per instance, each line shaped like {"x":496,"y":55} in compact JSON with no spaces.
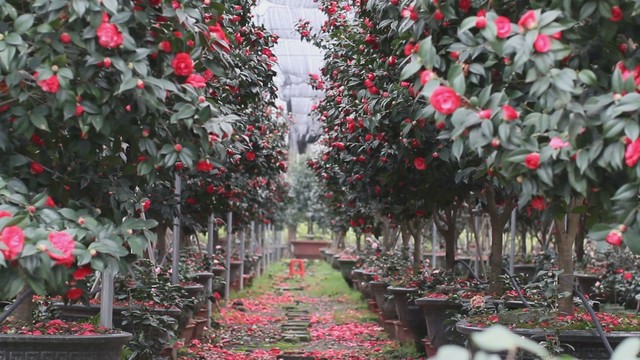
{"x":296,"y":267}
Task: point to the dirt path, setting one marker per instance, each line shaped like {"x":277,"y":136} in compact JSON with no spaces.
{"x":315,"y":317}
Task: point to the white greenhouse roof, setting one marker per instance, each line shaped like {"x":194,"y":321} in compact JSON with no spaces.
{"x":296,"y":60}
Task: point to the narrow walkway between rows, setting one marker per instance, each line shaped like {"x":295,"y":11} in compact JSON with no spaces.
{"x":297,"y":318}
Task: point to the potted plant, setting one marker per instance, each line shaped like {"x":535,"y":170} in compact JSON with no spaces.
{"x":51,"y":250}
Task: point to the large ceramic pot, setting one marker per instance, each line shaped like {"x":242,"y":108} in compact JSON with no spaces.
{"x":367,"y":277}
{"x":435,"y":313}
{"x":409,"y":314}
{"x":582,"y":344}
{"x":194,"y":290}
{"x":388,"y":308}
{"x":334,"y":262}
{"x":528,"y":270}
{"x":586,"y":282}
{"x":378,"y":290}
{"x":346,"y":266}
{"x":235,"y":276}
{"x":356,"y":277}
{"x":54,"y":347}
{"x":308,"y":249}
{"x":202,"y":277}
{"x":327,"y":255}
{"x":79,"y":312}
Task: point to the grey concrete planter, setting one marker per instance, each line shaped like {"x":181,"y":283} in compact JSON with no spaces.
{"x":63,"y":347}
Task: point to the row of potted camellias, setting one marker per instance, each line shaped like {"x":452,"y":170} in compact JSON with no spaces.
{"x":431,"y":308}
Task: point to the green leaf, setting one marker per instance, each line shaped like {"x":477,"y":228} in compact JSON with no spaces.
{"x":467,"y":23}
{"x":13,"y":39}
{"x":627,"y":350}
{"x":457,"y":148}
{"x":137,"y":244}
{"x":456,"y":79}
{"x":11,"y":282}
{"x":498,"y":338}
{"x":111,"y":5}
{"x":410,"y":70}
{"x":39,"y":122}
{"x":23,"y":23}
{"x":588,"y":9}
{"x":127,"y":84}
{"x":69,"y":214}
{"x":80,"y":6}
{"x":626,"y":192}
{"x":588,"y":77}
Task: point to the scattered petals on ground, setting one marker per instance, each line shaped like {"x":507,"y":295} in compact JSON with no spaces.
{"x":250,"y":329}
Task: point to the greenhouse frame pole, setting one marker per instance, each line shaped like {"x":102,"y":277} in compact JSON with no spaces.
{"x":227,"y":285}
{"x":209,"y":290}
{"x":175,"y":265}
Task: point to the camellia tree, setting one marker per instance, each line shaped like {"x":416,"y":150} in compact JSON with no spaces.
{"x":102,"y":104}
{"x":546,"y":95}
{"x":384,"y":164}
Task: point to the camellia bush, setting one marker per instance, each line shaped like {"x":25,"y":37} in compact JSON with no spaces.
{"x":534,"y":99}
{"x":103,"y":104}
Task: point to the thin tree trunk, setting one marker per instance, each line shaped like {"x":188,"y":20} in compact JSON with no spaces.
{"x":161,"y":242}
{"x":359,"y":241}
{"x":445,"y":221}
{"x":523,"y":241}
{"x":406,"y":237}
{"x":476,"y":236}
{"x":580,"y":237}
{"x":415,"y":227}
{"x":566,"y":237}
{"x":498,"y":221}
{"x":24,"y":311}
{"x":291,"y":232}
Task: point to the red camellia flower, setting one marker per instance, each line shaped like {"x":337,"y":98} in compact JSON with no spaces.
{"x":204,"y":166}
{"x":210,"y":189}
{"x":420,"y":163}
{"x":65,"y":38}
{"x":12,"y":237}
{"x":616,"y":13}
{"x":50,"y":85}
{"x":444,"y":100}
{"x":146,"y":205}
{"x":82,"y":272}
{"x":182,"y":64}
{"x":542,"y":43}
{"x":108,"y":35}
{"x":218,"y":33}
{"x":74,"y":294}
{"x":509,"y":113}
{"x":632,"y":153}
{"x":426,"y":76}
{"x":481,"y":22}
{"x":464,"y":5}
{"x":37,"y":140}
{"x":538,"y":203}
{"x":5,"y":213}
{"x":528,"y":20}
{"x":614,"y":237}
{"x":503,"y":25}
{"x":64,"y":244}
{"x":251,"y":156}
{"x":195,"y":80}
{"x":532,"y":161}
{"x":36,"y":168}
{"x":627,"y":275}
{"x":165,"y":46}
{"x":484,"y":114}
{"x":50,"y":203}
